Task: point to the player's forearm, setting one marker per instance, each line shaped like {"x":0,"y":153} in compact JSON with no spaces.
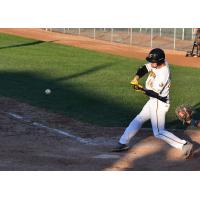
{"x":136,"y":78}
{"x":151,"y":93}
{"x":142,"y":71}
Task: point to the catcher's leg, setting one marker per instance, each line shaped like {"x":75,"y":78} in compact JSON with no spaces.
{"x":135,"y":124}
{"x":158,"y":124}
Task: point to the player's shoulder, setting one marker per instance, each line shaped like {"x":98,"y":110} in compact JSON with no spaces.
{"x":164,"y":72}
{"x":148,"y":66}
{"x":166,"y":64}
{"x":165,"y":67}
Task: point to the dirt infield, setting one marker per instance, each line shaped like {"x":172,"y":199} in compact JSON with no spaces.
{"x":60,"y":143}
{"x":28,"y":147}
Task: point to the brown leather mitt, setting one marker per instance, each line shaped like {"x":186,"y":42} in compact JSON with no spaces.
{"x":184,"y":113}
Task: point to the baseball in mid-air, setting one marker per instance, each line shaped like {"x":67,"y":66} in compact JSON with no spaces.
{"x":47,"y":91}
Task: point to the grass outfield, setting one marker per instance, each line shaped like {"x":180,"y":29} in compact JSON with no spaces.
{"x":86,"y":85}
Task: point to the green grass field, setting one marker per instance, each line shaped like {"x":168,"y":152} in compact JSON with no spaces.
{"x":86,"y":85}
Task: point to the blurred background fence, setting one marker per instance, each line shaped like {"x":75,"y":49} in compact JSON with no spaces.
{"x":167,"y":38}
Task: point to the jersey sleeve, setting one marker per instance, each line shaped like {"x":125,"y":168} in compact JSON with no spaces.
{"x":148,"y":66}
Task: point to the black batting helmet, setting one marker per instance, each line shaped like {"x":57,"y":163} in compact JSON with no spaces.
{"x":156,"y":56}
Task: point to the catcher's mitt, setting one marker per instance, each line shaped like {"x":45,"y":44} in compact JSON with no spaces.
{"x":184,"y":113}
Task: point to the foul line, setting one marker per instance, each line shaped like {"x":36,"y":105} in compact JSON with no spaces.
{"x":67,"y":134}
{"x":54,"y":130}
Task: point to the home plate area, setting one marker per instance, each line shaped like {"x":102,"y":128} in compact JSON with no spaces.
{"x":39,"y":144}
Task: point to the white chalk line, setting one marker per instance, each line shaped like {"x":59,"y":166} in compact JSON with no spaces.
{"x":107,"y":156}
{"x":14,"y":115}
{"x":54,"y":130}
{"x":96,"y":141}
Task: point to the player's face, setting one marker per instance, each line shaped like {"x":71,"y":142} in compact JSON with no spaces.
{"x":154,"y":65}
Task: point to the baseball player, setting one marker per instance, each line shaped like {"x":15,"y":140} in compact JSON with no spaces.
{"x":157,"y":88}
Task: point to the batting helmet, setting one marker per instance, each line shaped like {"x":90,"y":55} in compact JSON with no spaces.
{"x":156,"y":56}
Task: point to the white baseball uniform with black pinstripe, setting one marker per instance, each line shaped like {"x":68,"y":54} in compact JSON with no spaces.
{"x":155,"y":110}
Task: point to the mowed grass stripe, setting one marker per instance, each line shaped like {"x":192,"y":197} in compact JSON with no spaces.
{"x":86,"y":85}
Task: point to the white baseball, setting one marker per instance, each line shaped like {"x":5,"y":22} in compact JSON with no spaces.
{"x":47,"y":91}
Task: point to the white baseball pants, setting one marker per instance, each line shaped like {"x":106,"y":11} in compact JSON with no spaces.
{"x":155,"y":110}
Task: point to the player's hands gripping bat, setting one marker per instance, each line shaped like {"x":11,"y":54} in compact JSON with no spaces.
{"x":150,"y":93}
{"x":137,"y":87}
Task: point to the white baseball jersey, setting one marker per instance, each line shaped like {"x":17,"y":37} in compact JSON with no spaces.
{"x":155,"y":110}
{"x":158,"y":79}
